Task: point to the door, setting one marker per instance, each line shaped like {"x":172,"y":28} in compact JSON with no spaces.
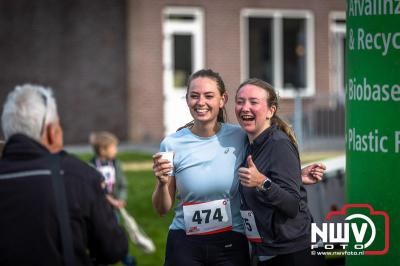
{"x":183,"y":54}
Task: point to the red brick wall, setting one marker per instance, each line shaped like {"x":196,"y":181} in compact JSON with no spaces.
{"x":145,"y":94}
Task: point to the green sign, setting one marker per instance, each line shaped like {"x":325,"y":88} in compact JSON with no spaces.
{"x":373,"y":122}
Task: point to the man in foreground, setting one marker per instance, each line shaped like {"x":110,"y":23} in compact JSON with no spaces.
{"x":30,"y":228}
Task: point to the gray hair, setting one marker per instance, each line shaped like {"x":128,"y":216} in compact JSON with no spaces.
{"x":27,"y":110}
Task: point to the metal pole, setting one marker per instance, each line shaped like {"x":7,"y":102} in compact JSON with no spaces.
{"x":298,"y":118}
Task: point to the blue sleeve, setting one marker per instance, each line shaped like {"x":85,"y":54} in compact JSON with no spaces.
{"x":163,"y":145}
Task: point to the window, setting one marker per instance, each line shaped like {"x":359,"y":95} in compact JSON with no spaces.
{"x":279,"y":48}
{"x":260,"y":48}
{"x":183,"y":65}
{"x":294,"y":67}
{"x":183,"y":44}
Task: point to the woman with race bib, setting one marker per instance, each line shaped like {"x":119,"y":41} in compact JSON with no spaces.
{"x":207,"y":228}
{"x":274,"y":202}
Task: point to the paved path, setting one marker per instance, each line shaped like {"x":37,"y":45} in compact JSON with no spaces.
{"x":125,"y":147}
{"x":138,"y":166}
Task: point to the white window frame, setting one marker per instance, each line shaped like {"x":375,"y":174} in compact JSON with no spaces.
{"x":277,"y":16}
{"x":335,"y":15}
{"x":337,"y":31}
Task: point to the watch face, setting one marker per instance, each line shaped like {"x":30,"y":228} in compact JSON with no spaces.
{"x":267,"y":184}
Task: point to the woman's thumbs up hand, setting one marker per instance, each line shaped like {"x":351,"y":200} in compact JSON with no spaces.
{"x":250,"y":176}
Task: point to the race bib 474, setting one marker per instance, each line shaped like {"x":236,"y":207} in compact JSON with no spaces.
{"x":202,"y":218}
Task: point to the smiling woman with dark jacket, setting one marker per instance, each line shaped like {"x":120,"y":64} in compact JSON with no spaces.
{"x":274,"y":201}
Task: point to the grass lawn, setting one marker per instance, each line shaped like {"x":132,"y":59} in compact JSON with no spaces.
{"x":141,"y":184}
{"x":122,"y":156}
{"x":140,"y":189}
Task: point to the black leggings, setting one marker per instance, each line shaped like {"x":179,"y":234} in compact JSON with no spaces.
{"x":223,"y":249}
{"x":299,"y":258}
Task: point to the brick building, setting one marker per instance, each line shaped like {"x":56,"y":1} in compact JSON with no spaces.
{"x":122,"y":65}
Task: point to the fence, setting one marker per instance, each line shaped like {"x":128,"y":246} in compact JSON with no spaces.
{"x":322,"y":124}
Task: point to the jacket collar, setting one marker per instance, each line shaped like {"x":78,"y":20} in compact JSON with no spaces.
{"x":264,"y":135}
{"x":20,"y":146}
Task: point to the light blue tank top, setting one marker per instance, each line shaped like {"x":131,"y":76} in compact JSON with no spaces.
{"x":205,"y":169}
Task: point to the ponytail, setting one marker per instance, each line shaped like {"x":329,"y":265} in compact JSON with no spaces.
{"x":188,"y":125}
{"x":221,"y":115}
{"x":285,"y":127}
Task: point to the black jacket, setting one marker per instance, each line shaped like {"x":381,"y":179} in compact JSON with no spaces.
{"x":281,"y":213}
{"x":29,"y":231}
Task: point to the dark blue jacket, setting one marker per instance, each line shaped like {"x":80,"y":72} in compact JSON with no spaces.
{"x":29,"y":231}
{"x":281,"y":213}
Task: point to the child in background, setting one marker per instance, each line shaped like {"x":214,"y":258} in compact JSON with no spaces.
{"x":104,"y":145}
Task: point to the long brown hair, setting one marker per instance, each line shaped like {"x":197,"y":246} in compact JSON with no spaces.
{"x":208,"y":73}
{"x":272,"y":100}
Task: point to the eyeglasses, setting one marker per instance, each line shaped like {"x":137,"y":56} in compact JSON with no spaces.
{"x":44,"y":97}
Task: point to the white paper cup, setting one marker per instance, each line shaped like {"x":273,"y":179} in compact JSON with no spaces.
{"x":168,"y":155}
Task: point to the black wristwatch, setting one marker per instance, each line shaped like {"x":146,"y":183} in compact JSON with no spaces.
{"x":266,"y":185}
